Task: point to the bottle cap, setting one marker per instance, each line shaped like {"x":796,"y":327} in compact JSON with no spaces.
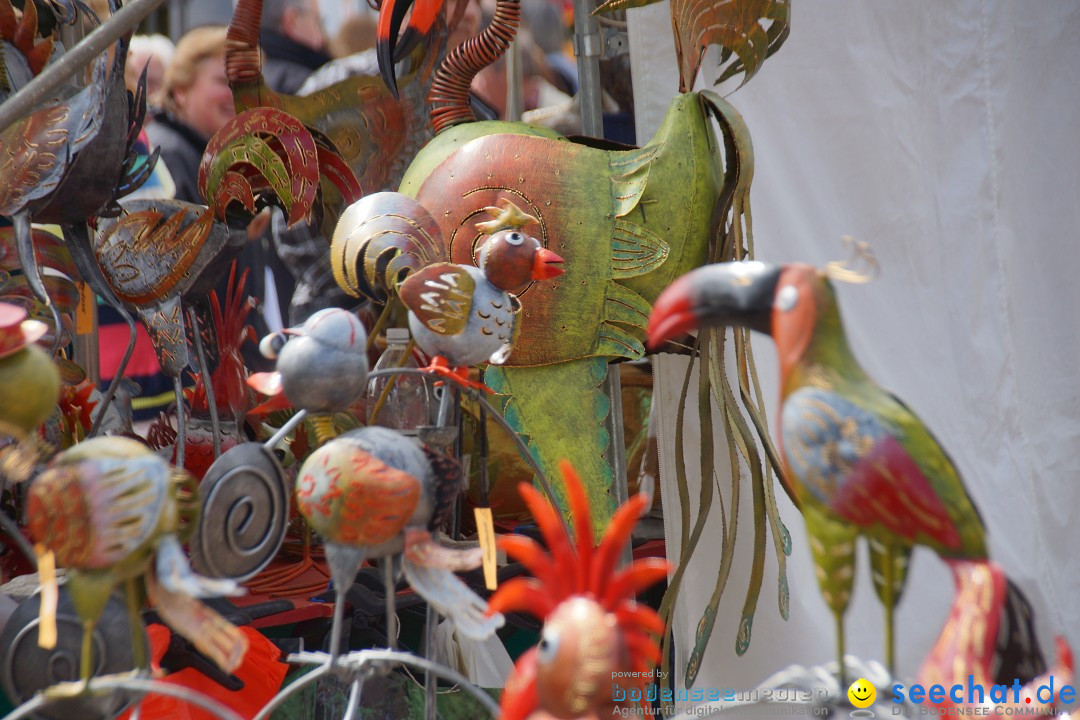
{"x":397,"y":335}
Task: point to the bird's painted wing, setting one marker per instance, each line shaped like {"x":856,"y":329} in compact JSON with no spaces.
{"x":440,"y":296}
{"x":857,"y":464}
{"x":354,"y":498}
{"x":447,"y":472}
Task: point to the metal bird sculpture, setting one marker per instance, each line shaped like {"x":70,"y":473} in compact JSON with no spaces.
{"x":321,"y":366}
{"x":373,"y":493}
{"x":466,"y":315}
{"x":858,"y":461}
{"x":366,"y":135}
{"x":158,"y":259}
{"x":112,"y":511}
{"x":653,"y":213}
{"x":654,"y":221}
{"x":594,"y":630}
{"x":72,"y":158}
{"x":969,"y":650}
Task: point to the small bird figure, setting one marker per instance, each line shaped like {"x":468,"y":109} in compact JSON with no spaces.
{"x":106,"y":508}
{"x":462,"y":315}
{"x":322,"y":365}
{"x":857,"y":459}
{"x":594,"y":630}
{"x":374,"y":493}
{"x":29,"y":380}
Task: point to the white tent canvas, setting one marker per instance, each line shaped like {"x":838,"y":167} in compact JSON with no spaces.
{"x":945,"y":134}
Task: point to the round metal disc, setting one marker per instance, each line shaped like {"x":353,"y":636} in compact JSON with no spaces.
{"x":26,"y":668}
{"x":245,"y":510}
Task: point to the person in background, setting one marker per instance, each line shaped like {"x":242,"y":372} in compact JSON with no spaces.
{"x":538,"y":81}
{"x":293,"y":43}
{"x":356,"y":34}
{"x":154,"y":52}
{"x":197,"y":101}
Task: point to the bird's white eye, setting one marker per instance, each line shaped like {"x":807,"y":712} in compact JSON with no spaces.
{"x":549,"y":645}
{"x":271,"y":345}
{"x":515,"y":238}
{"x":787,"y":297}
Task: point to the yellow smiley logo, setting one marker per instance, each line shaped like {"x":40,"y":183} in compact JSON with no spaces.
{"x":861,"y":693}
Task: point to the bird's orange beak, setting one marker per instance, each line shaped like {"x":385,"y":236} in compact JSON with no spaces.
{"x":672,"y":316}
{"x":546,"y":265}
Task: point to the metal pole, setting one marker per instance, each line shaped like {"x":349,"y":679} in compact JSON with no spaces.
{"x":515,"y":96}
{"x":616,"y":451}
{"x":74,"y":61}
{"x":587,"y":48}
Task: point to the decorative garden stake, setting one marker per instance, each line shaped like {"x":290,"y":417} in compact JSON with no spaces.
{"x":594,"y":630}
{"x":70,"y":159}
{"x":374,"y":493}
{"x":463,"y":315}
{"x":322,"y":366}
{"x":858,"y":460}
{"x":112,"y":511}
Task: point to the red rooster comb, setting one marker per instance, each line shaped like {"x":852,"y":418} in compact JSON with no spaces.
{"x":580,"y":569}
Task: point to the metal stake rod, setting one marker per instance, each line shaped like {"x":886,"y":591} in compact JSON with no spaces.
{"x":515,"y":96}
{"x":74,"y":61}
{"x":587,"y":48}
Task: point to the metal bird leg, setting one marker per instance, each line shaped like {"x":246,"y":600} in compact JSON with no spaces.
{"x":181,"y":432}
{"x":431,"y":682}
{"x":391,"y":605}
{"x":208,"y":385}
{"x":77,"y":238}
{"x":890,"y":608}
{"x":841,"y":670}
{"x":344,"y":561}
{"x":24,"y":241}
{"x":134,"y":606}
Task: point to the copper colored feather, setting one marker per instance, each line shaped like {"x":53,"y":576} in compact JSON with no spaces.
{"x":751,"y":30}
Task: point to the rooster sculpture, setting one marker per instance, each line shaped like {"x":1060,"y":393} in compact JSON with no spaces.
{"x":113,"y":511}
{"x":651,"y":218}
{"x":365,"y":134}
{"x":594,"y":630}
{"x":651,"y":214}
{"x":373,"y":493}
{"x":858,"y":461}
{"x":626,"y":220}
{"x":72,"y":158}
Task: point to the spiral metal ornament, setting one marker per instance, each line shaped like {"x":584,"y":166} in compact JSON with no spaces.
{"x":449,"y":96}
{"x":26,"y":668}
{"x":379,"y":240}
{"x":245,"y":507}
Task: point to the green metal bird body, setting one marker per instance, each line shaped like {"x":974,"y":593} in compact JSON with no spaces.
{"x":651,"y":215}
{"x":647,"y":220}
{"x":857,"y":459}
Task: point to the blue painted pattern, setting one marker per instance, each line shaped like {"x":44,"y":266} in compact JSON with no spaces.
{"x":825,"y":436}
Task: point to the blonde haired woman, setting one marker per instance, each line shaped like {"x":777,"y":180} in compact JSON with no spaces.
{"x":197,"y":101}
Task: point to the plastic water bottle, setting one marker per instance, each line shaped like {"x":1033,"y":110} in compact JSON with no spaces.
{"x":408,"y":402}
